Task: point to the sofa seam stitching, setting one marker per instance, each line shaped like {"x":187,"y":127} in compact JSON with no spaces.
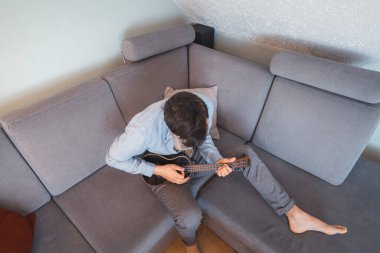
{"x":117,"y":104}
{"x":72,"y":223}
{"x":262,"y":110}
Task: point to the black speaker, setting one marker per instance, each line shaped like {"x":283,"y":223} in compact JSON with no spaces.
{"x":204,"y":35}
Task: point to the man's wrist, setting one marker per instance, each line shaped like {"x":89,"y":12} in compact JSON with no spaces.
{"x":157,"y":170}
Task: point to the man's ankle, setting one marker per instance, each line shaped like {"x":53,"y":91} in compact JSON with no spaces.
{"x":294,"y":211}
{"x":192,"y":248}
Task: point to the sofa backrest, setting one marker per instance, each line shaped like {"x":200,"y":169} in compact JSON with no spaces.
{"x":319,"y":114}
{"x":156,"y":60}
{"x":138,"y":84}
{"x":149,"y":44}
{"x":65,"y":138}
{"x":20,"y":189}
{"x":242,"y":87}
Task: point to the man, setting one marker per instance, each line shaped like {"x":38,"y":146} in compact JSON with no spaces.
{"x":182,"y":123}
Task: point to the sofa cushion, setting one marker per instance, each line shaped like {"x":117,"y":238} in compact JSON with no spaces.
{"x":117,"y":212}
{"x":339,"y":78}
{"x":148,"y":44}
{"x":55,"y":233}
{"x":20,"y":189}
{"x":137,"y":85}
{"x":227,"y":139}
{"x":236,"y":212}
{"x":64,"y":138}
{"x":318,"y":131}
{"x":242,"y":87}
{"x":16,"y":231}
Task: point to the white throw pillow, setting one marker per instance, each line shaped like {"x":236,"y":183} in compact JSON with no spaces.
{"x":211,"y":93}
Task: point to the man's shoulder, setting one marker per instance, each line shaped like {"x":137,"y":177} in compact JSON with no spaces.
{"x":149,"y":116}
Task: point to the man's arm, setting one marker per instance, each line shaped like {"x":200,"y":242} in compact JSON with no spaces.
{"x":124,"y":151}
{"x":211,"y":154}
{"x":208,"y":150}
{"x":123,"y":155}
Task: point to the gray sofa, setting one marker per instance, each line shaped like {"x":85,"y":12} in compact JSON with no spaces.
{"x":308,"y":119}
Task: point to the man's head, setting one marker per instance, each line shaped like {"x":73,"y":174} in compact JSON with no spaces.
{"x":186,"y":116}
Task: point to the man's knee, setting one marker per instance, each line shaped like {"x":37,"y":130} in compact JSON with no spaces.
{"x":190,"y":218}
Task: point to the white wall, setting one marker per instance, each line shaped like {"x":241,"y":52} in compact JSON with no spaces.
{"x":340,"y":30}
{"x":47,"y":46}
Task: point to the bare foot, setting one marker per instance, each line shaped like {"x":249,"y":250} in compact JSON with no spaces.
{"x":192,"y":249}
{"x":300,"y":221}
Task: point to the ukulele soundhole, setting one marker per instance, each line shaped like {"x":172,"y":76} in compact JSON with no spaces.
{"x":181,"y":159}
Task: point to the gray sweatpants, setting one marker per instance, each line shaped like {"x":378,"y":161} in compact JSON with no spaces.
{"x":181,"y":202}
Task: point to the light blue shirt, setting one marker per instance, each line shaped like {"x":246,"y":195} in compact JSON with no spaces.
{"x":147,"y":130}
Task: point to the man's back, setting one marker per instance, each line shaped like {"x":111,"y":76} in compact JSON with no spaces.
{"x":147,"y":130}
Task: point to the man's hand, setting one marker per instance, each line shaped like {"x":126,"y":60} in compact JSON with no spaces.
{"x":224,"y":170}
{"x":170,"y":173}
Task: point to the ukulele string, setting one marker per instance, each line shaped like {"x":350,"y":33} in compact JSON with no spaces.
{"x":209,"y":167}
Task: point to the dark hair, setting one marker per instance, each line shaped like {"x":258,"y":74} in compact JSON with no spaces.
{"x":186,"y":114}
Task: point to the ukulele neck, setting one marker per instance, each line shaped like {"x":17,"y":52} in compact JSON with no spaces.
{"x":213,"y":167}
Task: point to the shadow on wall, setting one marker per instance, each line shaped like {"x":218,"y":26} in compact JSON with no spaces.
{"x":41,"y":91}
{"x":372,"y":153}
{"x":311,"y":48}
{"x":140,"y":28}
{"x":262,"y":49}
{"x":248,"y":49}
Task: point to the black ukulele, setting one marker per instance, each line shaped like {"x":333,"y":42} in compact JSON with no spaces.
{"x":183,"y":160}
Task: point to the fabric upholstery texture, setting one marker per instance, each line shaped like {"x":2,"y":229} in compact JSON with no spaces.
{"x":343,"y":79}
{"x":242,"y":87}
{"x":117,"y":212}
{"x":65,"y":138}
{"x":137,"y":85}
{"x":16,"y":231}
{"x":20,"y":189}
{"x":54,"y":232}
{"x":148,"y":44}
{"x":212,"y":95}
{"x":227,"y":139}
{"x":235,"y":211}
{"x":317,"y":131}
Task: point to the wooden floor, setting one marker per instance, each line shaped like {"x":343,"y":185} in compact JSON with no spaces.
{"x":208,"y":242}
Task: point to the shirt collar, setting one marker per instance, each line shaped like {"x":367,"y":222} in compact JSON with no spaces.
{"x":168,"y":136}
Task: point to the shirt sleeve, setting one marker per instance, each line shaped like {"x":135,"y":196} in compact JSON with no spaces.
{"x":123,"y":153}
{"x":208,"y":150}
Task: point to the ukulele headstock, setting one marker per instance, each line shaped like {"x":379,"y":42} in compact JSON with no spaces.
{"x":240,"y":164}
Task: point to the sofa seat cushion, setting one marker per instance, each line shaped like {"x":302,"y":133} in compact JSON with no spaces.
{"x":53,"y":232}
{"x":117,"y":212}
{"x":236,"y":212}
